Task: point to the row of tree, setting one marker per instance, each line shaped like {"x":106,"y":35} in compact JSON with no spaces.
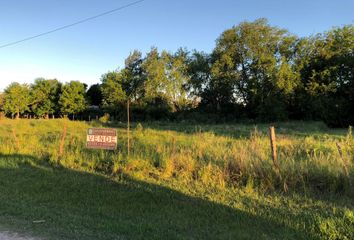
{"x":44,"y":97}
{"x":255,"y":71}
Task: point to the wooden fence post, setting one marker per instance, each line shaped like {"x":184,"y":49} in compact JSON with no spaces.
{"x":273,"y":146}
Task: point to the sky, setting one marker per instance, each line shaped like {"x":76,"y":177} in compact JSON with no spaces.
{"x":86,"y":51}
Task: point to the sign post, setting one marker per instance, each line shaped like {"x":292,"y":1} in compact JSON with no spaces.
{"x":101,"y":138}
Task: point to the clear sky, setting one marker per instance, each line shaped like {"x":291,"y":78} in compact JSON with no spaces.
{"x":84,"y":52}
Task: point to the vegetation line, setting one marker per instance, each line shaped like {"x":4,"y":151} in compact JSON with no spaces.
{"x":256,"y":72}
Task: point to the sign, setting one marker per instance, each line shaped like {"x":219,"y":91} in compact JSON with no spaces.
{"x":101,"y":138}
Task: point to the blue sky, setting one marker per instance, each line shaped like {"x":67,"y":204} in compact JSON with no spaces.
{"x":84,"y":52}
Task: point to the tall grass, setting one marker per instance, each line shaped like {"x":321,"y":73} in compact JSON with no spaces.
{"x":214,"y":156}
{"x":214,"y":160}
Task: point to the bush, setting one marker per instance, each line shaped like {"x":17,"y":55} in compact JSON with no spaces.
{"x":105,"y":118}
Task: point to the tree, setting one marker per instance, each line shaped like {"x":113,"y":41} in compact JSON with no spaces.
{"x":17,"y":99}
{"x":156,"y":84}
{"x":45,"y":96}
{"x":198,"y":70}
{"x":165,"y":78}
{"x":94,"y":95}
{"x":176,"y":70}
{"x":252,"y":67}
{"x":132,"y":76}
{"x":112,"y":90}
{"x":2,"y":101}
{"x":72,"y":98}
{"x":156,"y":88}
{"x":326,"y":65}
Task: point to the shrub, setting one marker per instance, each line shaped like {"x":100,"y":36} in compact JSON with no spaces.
{"x":105,"y":118}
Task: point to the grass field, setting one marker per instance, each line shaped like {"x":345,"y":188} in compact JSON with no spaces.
{"x":181,"y":181}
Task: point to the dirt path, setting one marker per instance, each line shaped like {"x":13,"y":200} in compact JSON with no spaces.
{"x":14,"y":236}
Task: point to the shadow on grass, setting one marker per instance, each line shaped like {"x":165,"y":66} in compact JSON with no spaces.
{"x":78,"y":205}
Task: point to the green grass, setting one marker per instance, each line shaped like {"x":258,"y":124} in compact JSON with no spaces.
{"x":181,"y":181}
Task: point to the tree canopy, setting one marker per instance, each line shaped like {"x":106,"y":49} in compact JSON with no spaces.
{"x":17,"y":99}
{"x":72,"y":98}
{"x":94,"y":95}
{"x":256,"y":71}
{"x":45,"y":95}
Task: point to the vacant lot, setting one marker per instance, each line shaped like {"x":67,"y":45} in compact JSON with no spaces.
{"x":181,"y":181}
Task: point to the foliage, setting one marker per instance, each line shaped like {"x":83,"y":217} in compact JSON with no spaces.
{"x":94,"y":95}
{"x":2,"y":101}
{"x":156,"y":84}
{"x":326,"y":67}
{"x":45,"y":96}
{"x":105,"y":118}
{"x":72,"y":98}
{"x":17,"y":99}
{"x":256,"y":71}
{"x":198,"y":69}
{"x":176,"y":70}
{"x":112,"y":90}
{"x":252,"y":67}
{"x":133,"y":77}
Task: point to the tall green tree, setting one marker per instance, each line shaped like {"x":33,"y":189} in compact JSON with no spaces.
{"x":156,"y":84}
{"x":165,"y":78}
{"x":72,"y":98}
{"x":17,"y":99}
{"x":133,"y":77}
{"x":252,"y":66}
{"x":94,"y":95}
{"x":176,"y":70}
{"x":326,"y":64}
{"x":45,"y":96}
{"x":156,"y":96}
{"x":199,"y":72}
{"x":112,"y":90}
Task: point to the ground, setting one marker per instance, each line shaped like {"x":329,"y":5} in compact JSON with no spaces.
{"x":181,"y":181}
{"x":13,"y":236}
